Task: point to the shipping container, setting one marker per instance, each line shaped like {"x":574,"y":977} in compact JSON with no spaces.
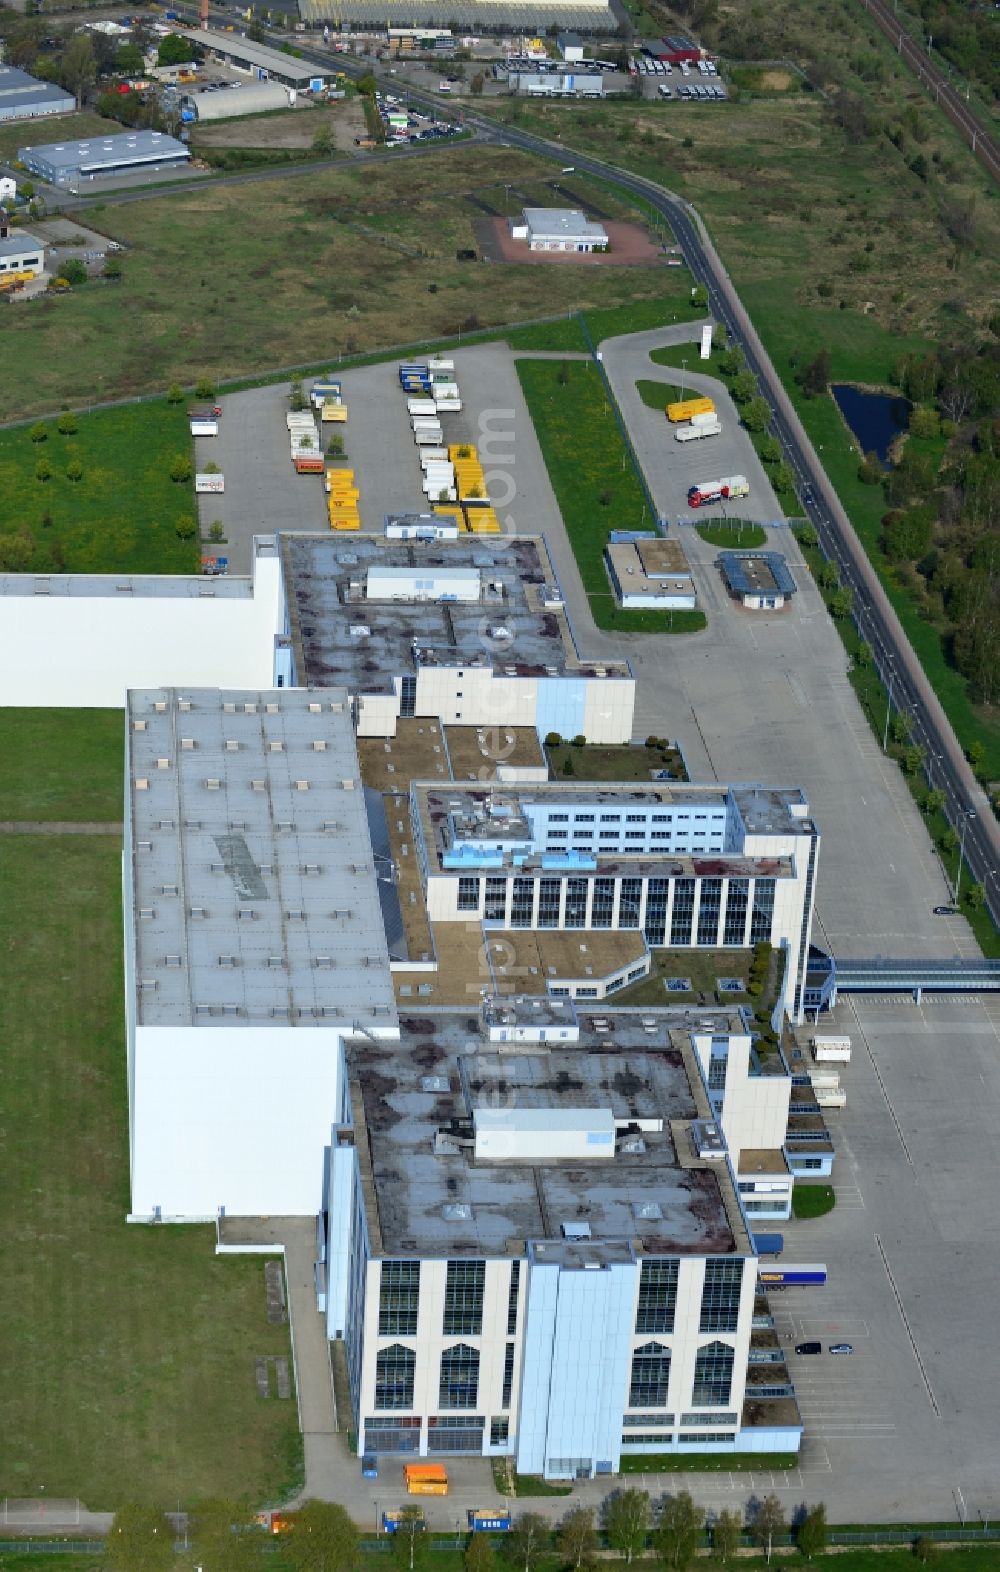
{"x":791,"y":1276}
{"x":420,"y":406}
{"x":334,"y":412}
{"x":708,"y":427}
{"x":493,"y":1522}
{"x":438,"y":364}
{"x":831,"y":1047}
{"x":426,"y":1479}
{"x":204,"y":428}
{"x":209,"y":485}
{"x":391,"y":1521}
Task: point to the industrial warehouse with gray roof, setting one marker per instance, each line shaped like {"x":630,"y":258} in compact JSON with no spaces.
{"x":22,"y":97}
{"x":73,"y":164}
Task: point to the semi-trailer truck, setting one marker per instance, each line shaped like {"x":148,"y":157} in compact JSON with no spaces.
{"x":718,"y":490}
{"x":708,"y":426}
{"x":791,"y":1276}
{"x":686,"y":407}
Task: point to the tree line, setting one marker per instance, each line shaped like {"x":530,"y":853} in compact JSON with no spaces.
{"x":319,"y":1536}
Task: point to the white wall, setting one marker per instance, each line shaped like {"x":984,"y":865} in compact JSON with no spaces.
{"x":85,"y":650}
{"x":232,"y":1116}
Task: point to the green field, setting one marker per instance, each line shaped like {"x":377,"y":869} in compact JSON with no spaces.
{"x":67,"y":128}
{"x":129,"y":1370}
{"x":595,"y":485}
{"x":813,"y":1200}
{"x":670,"y":305}
{"x":336,"y":262}
{"x":62,"y":764}
{"x":594,"y":762}
{"x":657,"y":395}
{"x":121,"y":516}
{"x":740,"y":535}
{"x":703,"y":968}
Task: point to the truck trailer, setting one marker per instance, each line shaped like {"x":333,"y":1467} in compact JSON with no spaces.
{"x":686,"y":407}
{"x":718,"y":490}
{"x":708,"y":426}
{"x":425,"y":1479}
{"x":830,"y":1047}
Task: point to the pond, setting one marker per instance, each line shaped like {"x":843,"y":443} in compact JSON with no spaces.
{"x":876,"y":419}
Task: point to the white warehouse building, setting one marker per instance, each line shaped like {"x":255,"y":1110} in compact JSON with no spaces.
{"x":254,"y":946}
{"x":691,"y":866}
{"x":500,"y":1219}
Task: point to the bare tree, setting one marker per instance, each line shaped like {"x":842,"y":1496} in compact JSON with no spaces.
{"x":576,"y":1540}
{"x":769,"y":1521}
{"x":529,"y":1539}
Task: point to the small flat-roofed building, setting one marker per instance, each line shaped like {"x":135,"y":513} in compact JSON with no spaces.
{"x":258,"y":61}
{"x":23,"y":97}
{"x":20,"y":252}
{"x":254,"y":946}
{"x":648,"y":572}
{"x":569,"y":1204}
{"x":465,"y":631}
{"x":759,"y":580}
{"x":73,"y":164}
{"x":570,"y":46}
{"x":559,"y":229}
{"x":689,"y":866}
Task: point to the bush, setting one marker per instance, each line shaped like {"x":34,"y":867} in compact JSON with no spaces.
{"x":39,"y":432}
{"x":552,"y":739}
{"x":204,"y":388}
{"x":216,"y":530}
{"x":43,"y":469}
{"x":73,"y":271}
{"x":924,"y":1549}
{"x":181,"y":469}
{"x":112,"y":268}
{"x":74,"y":470}
{"x":67,"y":424}
{"x":175,"y":393}
{"x":185,"y":528}
{"x":211,"y":468}
{"x":579,"y":741}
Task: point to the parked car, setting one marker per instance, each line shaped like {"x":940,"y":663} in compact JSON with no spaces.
{"x":369,"y":1466}
{"x":946,"y":911}
{"x":841,"y":1348}
{"x":809,"y":1348}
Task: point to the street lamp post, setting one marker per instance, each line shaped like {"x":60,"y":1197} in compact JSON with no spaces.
{"x":970,"y":813}
{"x":888,"y":712}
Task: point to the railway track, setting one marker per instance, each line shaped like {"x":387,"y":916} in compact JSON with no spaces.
{"x":983,"y":144}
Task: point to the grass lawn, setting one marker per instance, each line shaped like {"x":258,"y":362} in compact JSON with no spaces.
{"x":813,"y":1200}
{"x":702,"y":967}
{"x":35,"y":782}
{"x":586,"y":460}
{"x":706,"y":1463}
{"x":593,"y":762}
{"x":121,"y":516}
{"x":740,"y":535}
{"x":66,"y":128}
{"x":657,"y":395}
{"x":349,"y":260}
{"x":129,"y":1350}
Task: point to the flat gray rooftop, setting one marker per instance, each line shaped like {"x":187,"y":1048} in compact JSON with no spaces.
{"x":255,"y":899}
{"x":325,"y":581}
{"x":421,"y":1094}
{"x":17,"y":244}
{"x":93,"y":152}
{"x":563,"y":221}
{"x":234,"y":47}
{"x":109,"y":586}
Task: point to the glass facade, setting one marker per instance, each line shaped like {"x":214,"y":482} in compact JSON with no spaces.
{"x":708,"y":911}
{"x":512,"y":1293}
{"x":495,"y":909}
{"x":468,"y":894}
{"x":549,"y":893}
{"x":508,"y":1375}
{"x":459,"y":1383}
{"x":629,"y":903}
{"x":657,"y":1296}
{"x":736,"y":911}
{"x":650,"y":1376}
{"x":602,"y":911}
{"x":398,"y":1298}
{"x":657,"y":901}
{"x":455,"y":1434}
{"x":463,"y":1299}
{"x":720,"y":1297}
{"x":523,"y":903}
{"x":680,"y":927}
{"x":576,"y":903}
{"x":713,"y":1376}
{"x":394,"y":1372}
{"x":763,"y":911}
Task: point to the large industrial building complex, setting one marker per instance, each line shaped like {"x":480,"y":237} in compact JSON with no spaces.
{"x":462,"y":16}
{"x":258,"y":61}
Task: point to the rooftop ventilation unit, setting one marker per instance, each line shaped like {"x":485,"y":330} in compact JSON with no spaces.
{"x":575,"y":1230}
{"x":647,"y":1211}
{"x":709,"y":1142}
